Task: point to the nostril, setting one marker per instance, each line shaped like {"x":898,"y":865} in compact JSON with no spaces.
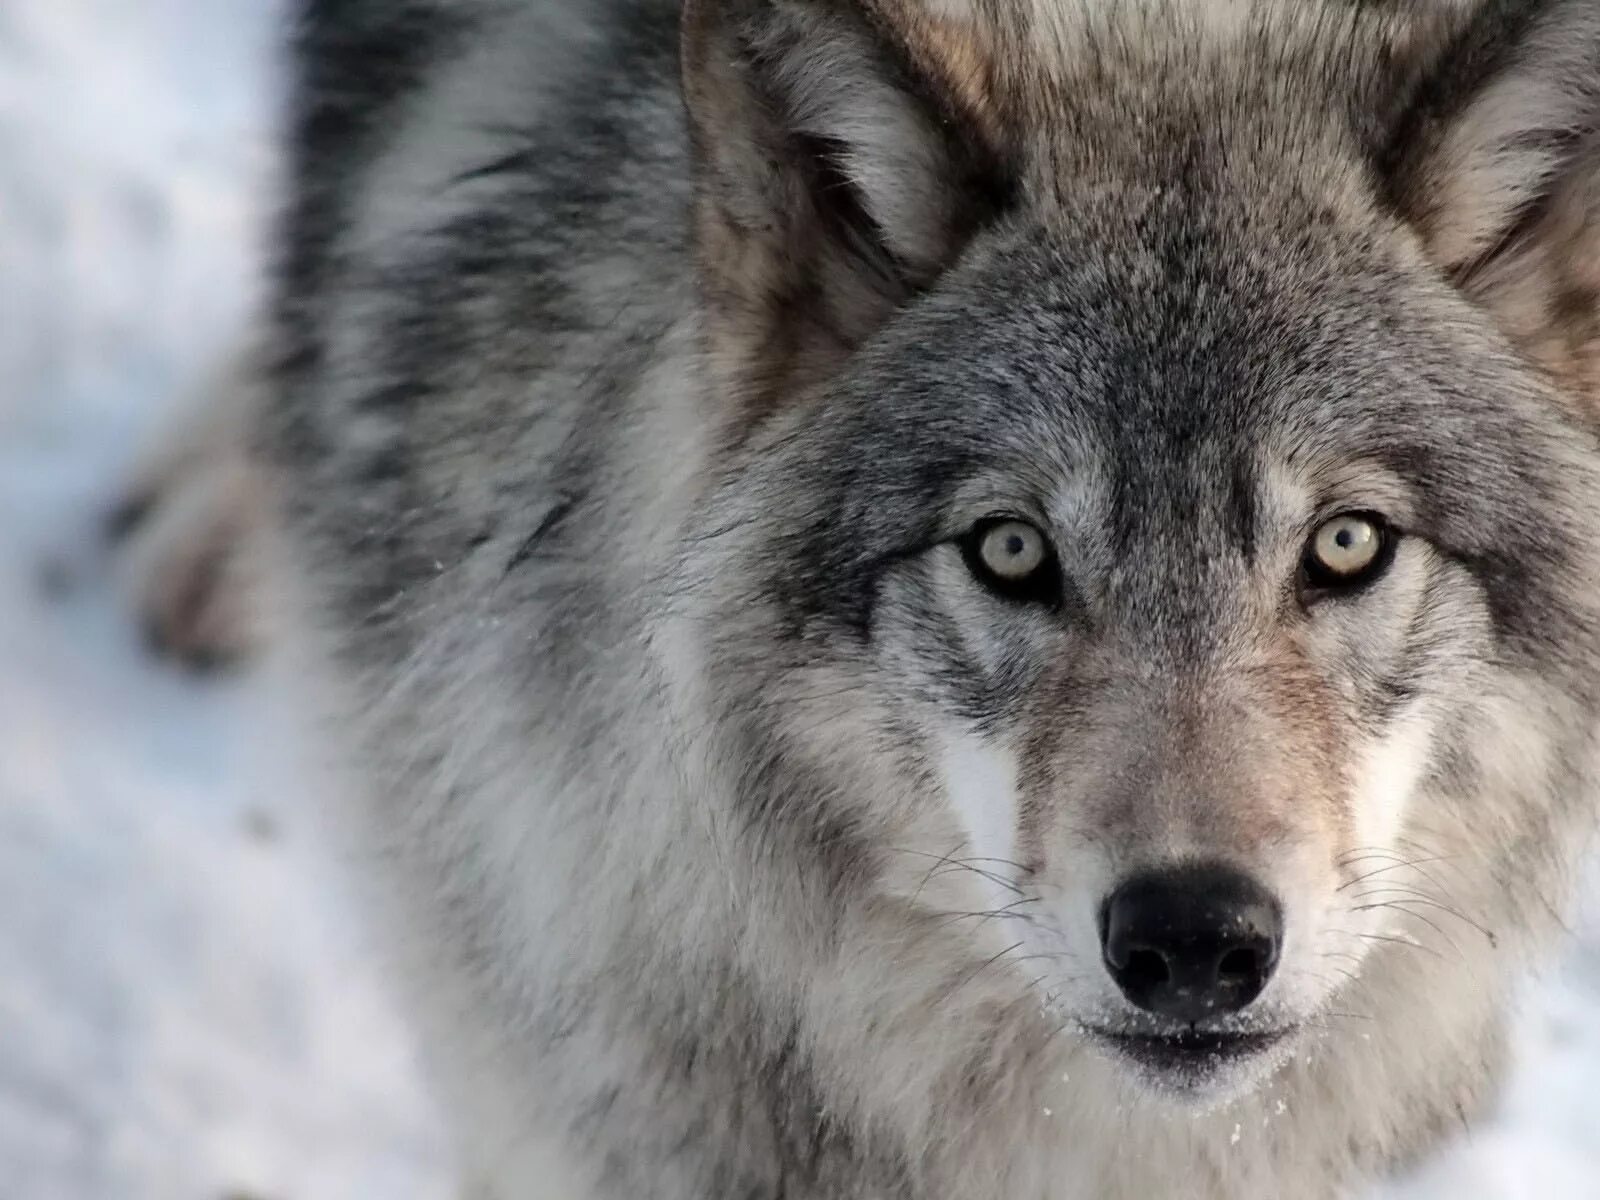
{"x":1144,"y":970}
{"x":1239,"y":967}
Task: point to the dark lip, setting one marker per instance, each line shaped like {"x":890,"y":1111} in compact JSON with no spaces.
{"x":1191,"y":1052}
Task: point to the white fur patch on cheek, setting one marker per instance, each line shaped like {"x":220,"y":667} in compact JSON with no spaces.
{"x":1386,"y":779}
{"x":980,"y":779}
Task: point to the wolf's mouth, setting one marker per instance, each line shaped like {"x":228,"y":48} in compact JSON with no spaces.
{"x":1190,"y":1053}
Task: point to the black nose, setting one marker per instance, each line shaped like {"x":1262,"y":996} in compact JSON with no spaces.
{"x":1192,"y":942}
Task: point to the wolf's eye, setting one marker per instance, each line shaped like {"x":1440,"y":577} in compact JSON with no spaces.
{"x":1013,"y":558}
{"x":1350,"y":549}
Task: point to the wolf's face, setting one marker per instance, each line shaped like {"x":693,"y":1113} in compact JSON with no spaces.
{"x":1143,"y":550}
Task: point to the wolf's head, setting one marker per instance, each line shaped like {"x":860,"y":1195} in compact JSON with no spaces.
{"x":1158,"y":542}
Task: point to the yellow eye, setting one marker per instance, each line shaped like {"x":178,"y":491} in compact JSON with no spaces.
{"x":1012,"y":551}
{"x":1346,"y":550}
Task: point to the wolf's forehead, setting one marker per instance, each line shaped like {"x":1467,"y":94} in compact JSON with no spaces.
{"x":1052,"y":30}
{"x":1239,"y":451}
{"x":1057,"y":85}
{"x":986,"y":48}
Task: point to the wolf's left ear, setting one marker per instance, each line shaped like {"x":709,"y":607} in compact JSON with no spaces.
{"x":1497,"y":164}
{"x":841,"y":162}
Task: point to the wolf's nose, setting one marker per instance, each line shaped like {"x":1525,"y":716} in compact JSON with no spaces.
{"x":1191,"y":942}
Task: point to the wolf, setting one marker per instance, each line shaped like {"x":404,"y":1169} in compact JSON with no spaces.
{"x":945,"y":599}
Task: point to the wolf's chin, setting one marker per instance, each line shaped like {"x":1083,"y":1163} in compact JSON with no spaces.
{"x":1196,"y":1067}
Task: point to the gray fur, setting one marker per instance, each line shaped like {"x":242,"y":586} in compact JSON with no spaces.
{"x":622,"y":454}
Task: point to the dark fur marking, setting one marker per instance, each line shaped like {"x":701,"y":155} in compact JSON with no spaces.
{"x":547,"y":525}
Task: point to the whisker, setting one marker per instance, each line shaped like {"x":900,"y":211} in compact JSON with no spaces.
{"x":1398,"y":864}
{"x":1413,"y":896}
{"x":1003,"y":913}
{"x":1350,"y":1016}
{"x":991,"y":876}
{"x":961,"y":864}
{"x":1408,"y":943}
{"x":1399,"y":907}
{"x":939,"y":861}
{"x":982,"y":967}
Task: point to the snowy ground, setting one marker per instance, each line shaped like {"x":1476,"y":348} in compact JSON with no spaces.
{"x":185,"y":1012}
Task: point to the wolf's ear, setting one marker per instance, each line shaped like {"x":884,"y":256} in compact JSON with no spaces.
{"x":1498,"y":167}
{"x":841,"y":162}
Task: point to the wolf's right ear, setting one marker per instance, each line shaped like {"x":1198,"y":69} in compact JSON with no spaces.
{"x":842,"y":160}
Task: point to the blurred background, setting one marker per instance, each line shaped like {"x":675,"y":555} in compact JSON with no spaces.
{"x":188,"y":1010}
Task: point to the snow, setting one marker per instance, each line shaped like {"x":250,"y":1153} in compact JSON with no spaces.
{"x":188,"y":1009}
{"x":1544,"y":1141}
{"x":186,"y":1012}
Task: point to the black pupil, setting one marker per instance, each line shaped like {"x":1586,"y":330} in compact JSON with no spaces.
{"x":1015,"y":545}
{"x":1346,"y":538}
